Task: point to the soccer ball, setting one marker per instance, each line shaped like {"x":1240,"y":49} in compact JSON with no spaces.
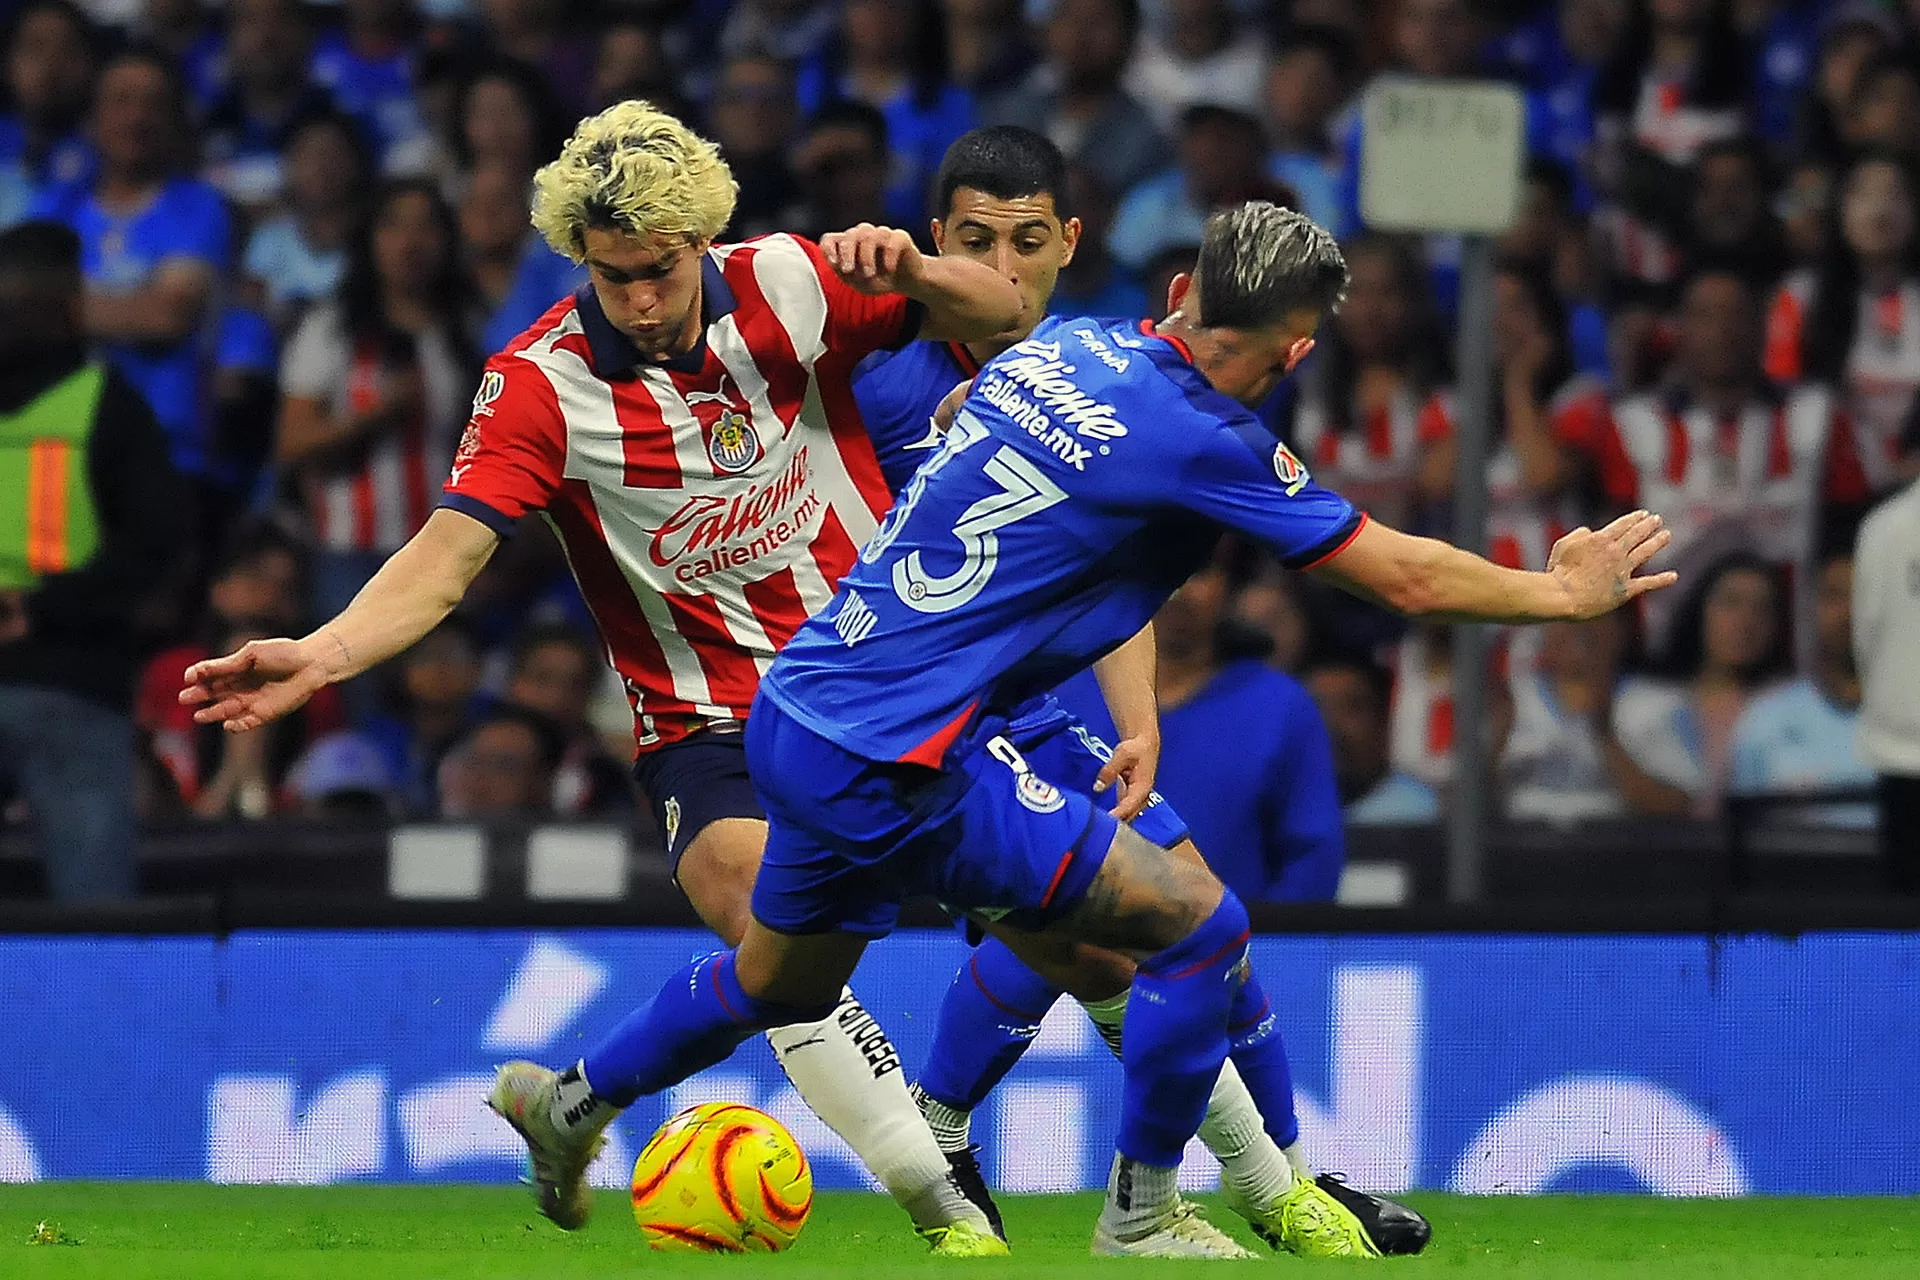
{"x":722,"y":1178}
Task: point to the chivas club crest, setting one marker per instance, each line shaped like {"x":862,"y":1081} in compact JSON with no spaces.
{"x":733,"y":446}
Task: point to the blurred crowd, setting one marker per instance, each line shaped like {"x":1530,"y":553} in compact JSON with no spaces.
{"x":302,"y":228}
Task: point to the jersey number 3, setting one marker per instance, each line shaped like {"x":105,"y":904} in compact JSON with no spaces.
{"x":1023,"y":491}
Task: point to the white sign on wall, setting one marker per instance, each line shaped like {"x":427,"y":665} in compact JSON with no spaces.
{"x":1441,"y":155}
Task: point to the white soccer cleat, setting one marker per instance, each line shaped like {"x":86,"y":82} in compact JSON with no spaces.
{"x":523,"y":1095}
{"x":1183,"y":1234}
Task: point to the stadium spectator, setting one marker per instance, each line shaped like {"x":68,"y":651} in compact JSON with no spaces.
{"x":1574,"y":44}
{"x":1885,"y":110}
{"x":1854,"y":322}
{"x":1199,"y":55}
{"x":1726,"y":457}
{"x":1384,"y":354}
{"x":49,"y":82}
{"x":257,"y":589}
{"x":1552,"y":240}
{"x":155,"y":244}
{"x":1803,"y":204}
{"x":1311,"y":75}
{"x":507,"y":117}
{"x":1075,"y":98}
{"x":798,"y":32}
{"x":842,"y":165}
{"x":1353,"y":698}
{"x":1729,"y":221}
{"x":501,"y":769}
{"x":70,"y":591}
{"x":297,"y":258}
{"x":516,"y":275}
{"x":1730,"y":639}
{"x":987,"y":46}
{"x":1533,"y":471}
{"x":629,"y":61}
{"x":342,"y":777}
{"x":1220,"y":162}
{"x":368,"y":67}
{"x":1589,"y":741}
{"x":1801,"y":736}
{"x":250,"y":126}
{"x":1886,"y":618}
{"x":1261,"y":802}
{"x":432,"y":705}
{"x":556,"y":671}
{"x":755,"y":118}
{"x":1269,"y":608}
{"x":377,"y":384}
{"x":1092,"y":283}
{"x":1853,"y":36}
{"x":894,"y":60}
{"x":538,"y":35}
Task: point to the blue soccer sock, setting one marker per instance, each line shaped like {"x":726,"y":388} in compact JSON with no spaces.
{"x":698,"y":1018}
{"x":1176,"y":1035}
{"x":1260,"y":1055}
{"x":991,"y":1013}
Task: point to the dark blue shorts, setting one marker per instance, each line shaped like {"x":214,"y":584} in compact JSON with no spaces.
{"x":1070,"y":756}
{"x":848,"y":838}
{"x":694,"y":782}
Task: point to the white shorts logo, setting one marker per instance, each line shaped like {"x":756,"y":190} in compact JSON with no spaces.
{"x":1033,"y":791}
{"x":673,"y":820}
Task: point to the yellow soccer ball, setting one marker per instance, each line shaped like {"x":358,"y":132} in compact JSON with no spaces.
{"x":722,"y":1178}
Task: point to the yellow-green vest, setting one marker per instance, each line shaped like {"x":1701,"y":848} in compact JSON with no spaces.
{"x":48,"y":523}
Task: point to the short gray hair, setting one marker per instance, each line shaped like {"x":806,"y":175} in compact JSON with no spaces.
{"x":1260,"y":263}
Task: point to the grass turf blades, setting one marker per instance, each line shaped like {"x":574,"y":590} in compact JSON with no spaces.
{"x":130,"y":1231}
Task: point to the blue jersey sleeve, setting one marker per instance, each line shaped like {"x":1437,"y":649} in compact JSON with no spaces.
{"x":897,"y":393}
{"x":1306,"y":841}
{"x":1242,"y":477}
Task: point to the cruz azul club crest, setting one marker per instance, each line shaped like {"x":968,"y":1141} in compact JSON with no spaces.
{"x":727,"y":423}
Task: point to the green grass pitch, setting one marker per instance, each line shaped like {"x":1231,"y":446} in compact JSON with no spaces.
{"x":133,"y":1231}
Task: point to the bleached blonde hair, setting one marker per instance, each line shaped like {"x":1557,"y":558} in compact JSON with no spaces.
{"x":635,"y":168}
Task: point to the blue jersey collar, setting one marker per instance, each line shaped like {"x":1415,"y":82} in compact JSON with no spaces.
{"x":614,"y":356}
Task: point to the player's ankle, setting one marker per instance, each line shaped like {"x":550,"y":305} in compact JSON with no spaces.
{"x":952,"y":1126}
{"x":1140,"y":1197}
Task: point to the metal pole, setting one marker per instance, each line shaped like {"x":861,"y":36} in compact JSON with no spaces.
{"x":1468,"y":800}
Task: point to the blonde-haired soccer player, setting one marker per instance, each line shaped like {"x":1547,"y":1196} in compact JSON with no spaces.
{"x":687,"y":426}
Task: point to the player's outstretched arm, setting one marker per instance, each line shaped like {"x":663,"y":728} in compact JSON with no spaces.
{"x":415,"y":589}
{"x":965,"y":301}
{"x":1589,"y":572}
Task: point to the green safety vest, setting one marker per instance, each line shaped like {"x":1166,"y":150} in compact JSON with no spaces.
{"x":48,"y":523}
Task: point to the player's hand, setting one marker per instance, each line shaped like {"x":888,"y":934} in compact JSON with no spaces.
{"x":1132,"y":765}
{"x":872,"y":259}
{"x":258,"y":683}
{"x":1600,"y":570}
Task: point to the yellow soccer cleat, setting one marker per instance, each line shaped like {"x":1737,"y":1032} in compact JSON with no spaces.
{"x":523,"y":1094}
{"x":962,"y":1240}
{"x":1307,"y":1220}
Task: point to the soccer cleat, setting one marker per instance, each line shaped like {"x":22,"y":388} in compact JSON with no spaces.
{"x":1308,"y":1220}
{"x":962,"y":1240}
{"x":1393,"y":1228}
{"x":1184,"y":1234}
{"x":965,"y":1169}
{"x":523,"y":1094}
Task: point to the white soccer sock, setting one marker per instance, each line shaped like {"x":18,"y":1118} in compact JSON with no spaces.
{"x":952,"y":1127}
{"x":1232,"y":1128}
{"x":849,"y":1074}
{"x":576,"y":1106}
{"x":1297,"y":1157}
{"x":1139,"y":1197}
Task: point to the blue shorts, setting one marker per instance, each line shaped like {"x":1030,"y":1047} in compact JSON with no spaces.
{"x":1069,"y":755}
{"x":695,"y":782}
{"x":848,"y":838}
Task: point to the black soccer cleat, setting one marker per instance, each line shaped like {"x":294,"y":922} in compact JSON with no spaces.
{"x":1393,"y":1228}
{"x":964,"y":1167}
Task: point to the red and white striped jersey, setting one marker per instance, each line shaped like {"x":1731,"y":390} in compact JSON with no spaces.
{"x":1522,"y":528}
{"x":1882,"y":371}
{"x":1374,"y":463}
{"x":708,"y":504}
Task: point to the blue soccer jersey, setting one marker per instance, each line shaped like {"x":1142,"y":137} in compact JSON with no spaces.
{"x":1088,"y":474}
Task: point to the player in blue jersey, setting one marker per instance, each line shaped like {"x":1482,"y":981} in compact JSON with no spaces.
{"x":1085,"y":476}
{"x":1000,"y":191}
